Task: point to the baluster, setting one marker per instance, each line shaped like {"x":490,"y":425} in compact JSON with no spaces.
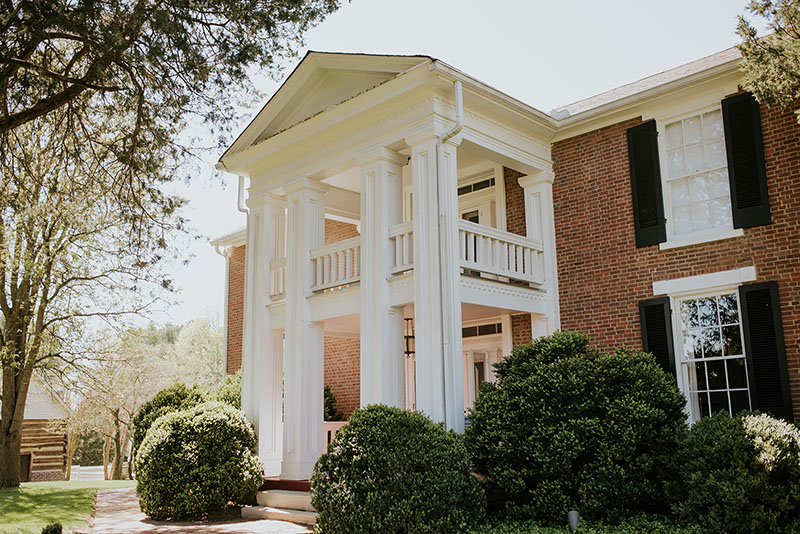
{"x":326,"y":268}
{"x":528,"y":262}
{"x":520,"y":267}
{"x":408,"y":246}
{"x":357,"y":261}
{"x":348,"y":266}
{"x":471,"y":247}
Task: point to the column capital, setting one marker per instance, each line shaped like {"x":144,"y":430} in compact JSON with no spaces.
{"x":381,"y":153}
{"x":301,"y":183}
{"x":541,"y":177}
{"x":265,"y":199}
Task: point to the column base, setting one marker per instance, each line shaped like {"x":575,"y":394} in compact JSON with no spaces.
{"x":296,"y":470}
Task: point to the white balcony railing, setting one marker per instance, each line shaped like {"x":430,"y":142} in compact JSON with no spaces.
{"x":277,"y":279}
{"x":337,"y":264}
{"x":401,"y":238}
{"x":486,"y":250}
{"x":483,"y":251}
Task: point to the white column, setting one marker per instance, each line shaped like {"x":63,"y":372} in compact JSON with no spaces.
{"x":540,"y":226}
{"x":382,"y":357}
{"x":304,"y":357}
{"x":262,"y":350}
{"x":437,"y":289}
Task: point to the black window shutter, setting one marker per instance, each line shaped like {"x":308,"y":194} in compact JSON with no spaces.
{"x":655,"y":317}
{"x":648,"y":204}
{"x":746,"y":169}
{"x":764,"y":349}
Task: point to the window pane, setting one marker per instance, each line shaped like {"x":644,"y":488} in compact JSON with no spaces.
{"x":737,"y":377}
{"x":676,"y":165}
{"x":712,"y":125}
{"x":691,"y":345}
{"x":715,"y":155}
{"x":682,"y":219}
{"x":698,"y":188}
{"x":740,"y":400}
{"x":680,"y":192}
{"x":692,"y":130}
{"x":700,"y":375}
{"x":718,"y":185}
{"x":731,"y":340}
{"x":701,"y":216}
{"x":728,"y":309}
{"x":720,"y":212}
{"x":702,"y":400}
{"x":689,"y":315}
{"x":707,"y":311}
{"x":674,"y":135}
{"x":719,"y":402}
{"x":695,"y":159}
{"x":716,"y":374}
{"x":712,"y":343}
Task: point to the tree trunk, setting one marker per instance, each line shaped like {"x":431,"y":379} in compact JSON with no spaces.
{"x":106,"y":452}
{"x":116,"y":471}
{"x":10,"y":442}
{"x":15,"y":392}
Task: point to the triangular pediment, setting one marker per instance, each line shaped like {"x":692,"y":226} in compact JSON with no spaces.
{"x":321,"y":80}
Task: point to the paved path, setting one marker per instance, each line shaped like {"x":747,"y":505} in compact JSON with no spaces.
{"x":117,"y":512}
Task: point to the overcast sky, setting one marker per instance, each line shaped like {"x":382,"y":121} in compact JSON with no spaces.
{"x":543,"y":53}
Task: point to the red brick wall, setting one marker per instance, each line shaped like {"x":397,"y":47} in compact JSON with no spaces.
{"x":515,"y":202}
{"x":521,"y":329}
{"x":601,"y":273}
{"x":236,"y":263}
{"x":338,"y":231}
{"x":343,"y":371}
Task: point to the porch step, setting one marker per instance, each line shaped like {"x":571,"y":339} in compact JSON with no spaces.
{"x":290,"y":500}
{"x":301,"y":517}
{"x":271,"y":483}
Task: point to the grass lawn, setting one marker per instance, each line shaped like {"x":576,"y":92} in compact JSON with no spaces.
{"x":29,"y":508}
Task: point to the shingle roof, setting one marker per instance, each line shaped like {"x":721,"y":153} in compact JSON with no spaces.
{"x":720,"y":58}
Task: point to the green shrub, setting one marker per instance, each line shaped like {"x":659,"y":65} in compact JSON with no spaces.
{"x":170,"y":399}
{"x":53,"y":528}
{"x":635,"y":525}
{"x":331,"y":413}
{"x":740,"y":474}
{"x":391,"y":470}
{"x":230,"y":392}
{"x":196,"y":461}
{"x":568,"y":428}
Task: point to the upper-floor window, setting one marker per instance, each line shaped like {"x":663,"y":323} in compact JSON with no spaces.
{"x":700,"y":176}
{"x":697,"y":174}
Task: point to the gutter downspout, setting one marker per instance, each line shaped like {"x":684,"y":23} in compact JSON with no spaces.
{"x":240,"y":203}
{"x":445,"y":296}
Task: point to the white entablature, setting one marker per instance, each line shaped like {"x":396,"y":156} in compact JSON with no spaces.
{"x":414,"y":152}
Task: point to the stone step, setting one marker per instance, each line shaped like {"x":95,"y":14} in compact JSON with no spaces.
{"x":288,"y":499}
{"x":301,"y":517}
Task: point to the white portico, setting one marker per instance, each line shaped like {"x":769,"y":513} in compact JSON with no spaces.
{"x":386,"y":143}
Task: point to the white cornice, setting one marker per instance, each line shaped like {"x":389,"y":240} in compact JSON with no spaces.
{"x":231,"y":239}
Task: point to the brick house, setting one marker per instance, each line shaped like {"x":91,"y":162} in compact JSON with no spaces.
{"x":661,"y":215}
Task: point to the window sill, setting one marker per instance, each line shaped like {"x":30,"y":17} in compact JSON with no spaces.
{"x":704,"y":237}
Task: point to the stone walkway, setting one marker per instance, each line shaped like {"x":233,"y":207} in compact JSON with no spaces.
{"x":117,"y":512}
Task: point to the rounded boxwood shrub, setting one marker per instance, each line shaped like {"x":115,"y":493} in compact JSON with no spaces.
{"x":197,"y":461}
{"x":740,"y":475}
{"x":391,"y":470}
{"x":170,"y":399}
{"x":566,"y":427}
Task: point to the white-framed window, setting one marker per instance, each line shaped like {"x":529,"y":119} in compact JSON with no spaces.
{"x":710,"y":351}
{"x":694,"y":170}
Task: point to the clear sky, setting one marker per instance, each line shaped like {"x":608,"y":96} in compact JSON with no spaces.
{"x":543,"y":53}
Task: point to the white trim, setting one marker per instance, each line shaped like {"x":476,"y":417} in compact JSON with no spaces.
{"x":704,"y":282}
{"x":695,"y":238}
{"x":234,"y":238}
